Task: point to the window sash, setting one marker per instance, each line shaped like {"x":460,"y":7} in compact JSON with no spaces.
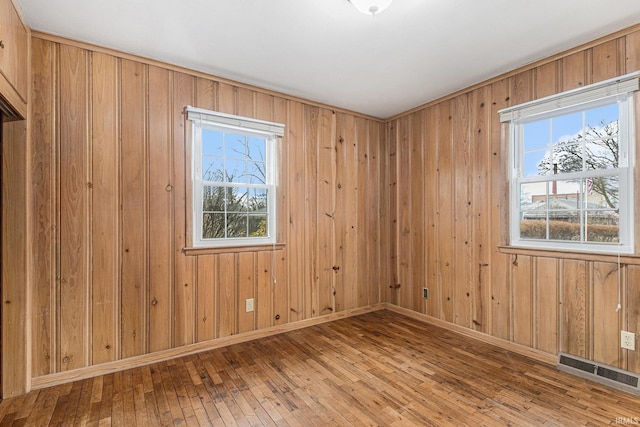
{"x":203,"y":119}
{"x":545,"y":109}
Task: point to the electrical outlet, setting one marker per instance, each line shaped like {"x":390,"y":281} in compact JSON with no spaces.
{"x":249,"y":305}
{"x":628,"y":340}
{"x":425,"y":293}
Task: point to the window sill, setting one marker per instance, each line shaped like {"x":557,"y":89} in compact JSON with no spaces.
{"x":191,"y":251}
{"x":564,"y":254}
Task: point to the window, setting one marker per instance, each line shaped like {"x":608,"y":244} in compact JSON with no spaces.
{"x":571,"y":163}
{"x":233,"y":179}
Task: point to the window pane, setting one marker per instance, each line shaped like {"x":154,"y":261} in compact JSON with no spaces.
{"x":601,"y":154}
{"x":601,"y":117}
{"x":602,"y":226}
{"x":213,"y":198}
{"x":235,"y":146}
{"x":533,"y":196}
{"x":212,"y":225}
{"x":536,"y":134}
{"x":237,"y":225}
{"x":256,"y":173}
{"x":235,"y":170}
{"x":567,"y":158}
{"x":212,"y":168}
{"x":566,"y":128}
{"x":258,"y":225}
{"x":256,"y":149}
{"x":257,"y":200}
{"x":212,"y":143}
{"x":533,"y":206}
{"x":565,"y":225}
{"x":533,"y":229}
{"x":569,"y":191}
{"x":237,"y":199}
{"x":602,"y":192}
{"x":537,"y":163}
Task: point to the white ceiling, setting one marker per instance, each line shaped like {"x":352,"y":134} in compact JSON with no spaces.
{"x":326,"y":51}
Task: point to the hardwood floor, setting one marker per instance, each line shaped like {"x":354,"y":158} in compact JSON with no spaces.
{"x":380,"y":368}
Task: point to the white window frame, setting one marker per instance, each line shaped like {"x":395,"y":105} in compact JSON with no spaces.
{"x":618,"y":90}
{"x":269,"y":131}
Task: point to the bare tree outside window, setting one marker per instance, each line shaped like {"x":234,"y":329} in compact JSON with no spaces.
{"x":232,"y":207}
{"x":600,"y":151}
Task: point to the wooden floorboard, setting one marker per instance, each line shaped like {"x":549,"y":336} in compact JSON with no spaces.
{"x":379,"y":368}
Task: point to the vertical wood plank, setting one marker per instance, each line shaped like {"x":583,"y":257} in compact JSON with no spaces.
{"x":546,"y":294}
{"x":105,"y":204}
{"x":226,"y":101}
{"x":265,"y":273}
{"x":605,"y":63}
{"x":417,"y":227}
{"x":184,"y":267}
{"x":500,"y":317}
{"x":350,"y":225}
{"x":575,"y":303}
{"x":606,"y":319}
{"x":364,"y":236}
{"x":246,"y":289}
{"x":206,"y":94}
{"x":480,"y":221}
{"x":161,"y":258}
{"x":207,"y":301}
{"x":44,"y":208}
{"x":74,"y":205}
{"x":16,"y":370}
{"x":632,"y":51}
{"x":280,"y":296}
{"x":546,"y":79}
{"x":338,"y":214}
{"x":311,"y":274}
{"x":391,"y":294}
{"x":227,"y":306}
{"x":523,"y":299}
{"x":326,"y":212}
{"x":405,"y":185}
{"x":384,"y":213}
{"x":375,"y":190}
{"x":574,"y":73}
{"x":431,"y":212}
{"x":631,"y":313}
{"x":445,"y":211}
{"x":134,"y":178}
{"x":462,"y":239}
{"x":296,"y":219}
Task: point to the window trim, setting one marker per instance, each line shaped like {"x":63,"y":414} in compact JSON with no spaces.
{"x":620,"y":89}
{"x":198,"y":119}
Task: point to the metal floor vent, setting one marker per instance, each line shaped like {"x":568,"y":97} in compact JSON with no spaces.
{"x":603,"y":374}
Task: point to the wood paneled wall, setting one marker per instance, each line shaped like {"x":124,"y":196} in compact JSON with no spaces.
{"x":109,"y":212}
{"x":448,"y":169}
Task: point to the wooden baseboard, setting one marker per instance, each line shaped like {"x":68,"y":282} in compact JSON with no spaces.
{"x":160,"y":356}
{"x":538,"y":355}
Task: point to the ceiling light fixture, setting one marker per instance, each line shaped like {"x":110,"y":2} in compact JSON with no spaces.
{"x":370,"y":7}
